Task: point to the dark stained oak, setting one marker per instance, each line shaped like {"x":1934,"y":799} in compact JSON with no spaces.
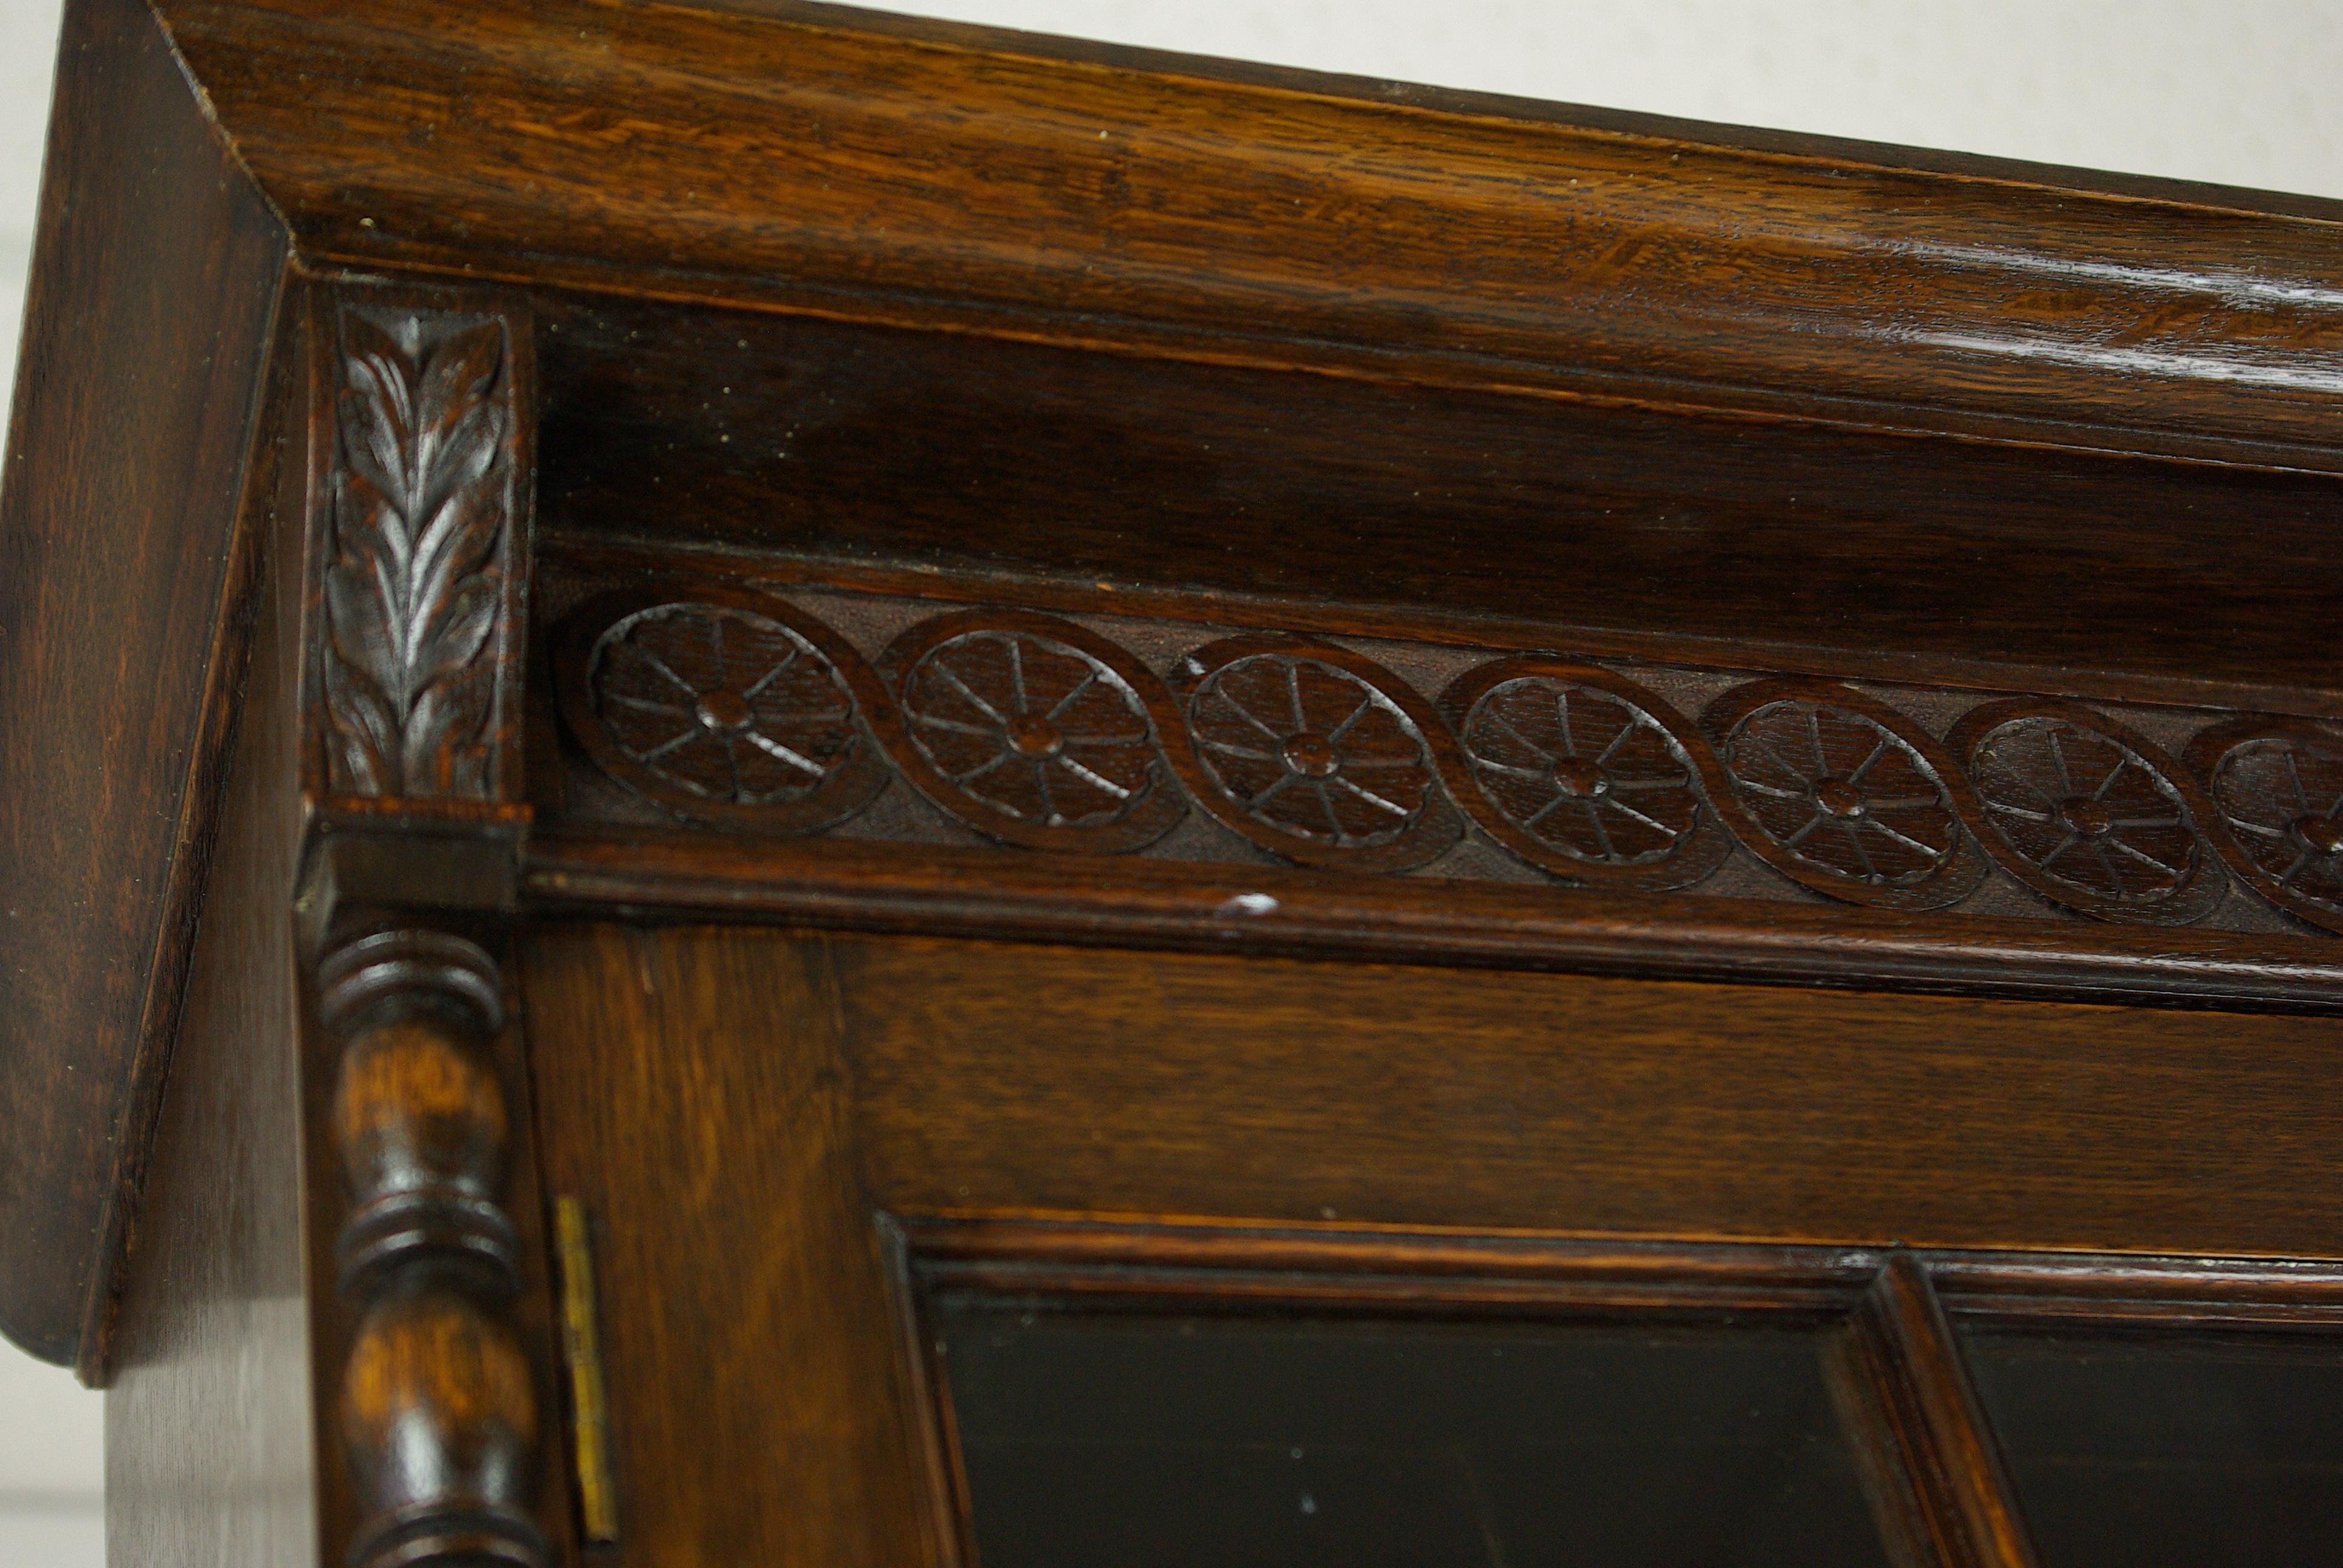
{"x":792,"y":158}
{"x":843,"y":299}
{"x":760,"y":716}
{"x":122,"y":580}
{"x":1246,"y":496}
{"x":423,"y":449}
{"x":860,"y":885}
{"x":1002,"y":1080}
{"x":694,"y":1101}
{"x":210,"y":1454}
{"x":440,"y":1400}
{"x":1915,"y":1363}
{"x":820,"y":671}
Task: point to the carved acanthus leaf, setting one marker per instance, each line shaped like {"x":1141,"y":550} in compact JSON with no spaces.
{"x":415,"y":579}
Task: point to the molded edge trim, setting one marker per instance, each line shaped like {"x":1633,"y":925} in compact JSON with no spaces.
{"x":974,"y":182}
{"x":1047,"y":897}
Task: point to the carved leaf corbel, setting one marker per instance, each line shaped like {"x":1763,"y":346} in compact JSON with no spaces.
{"x":416,"y":577}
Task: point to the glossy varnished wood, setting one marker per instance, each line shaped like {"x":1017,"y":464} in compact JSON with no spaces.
{"x":1058,"y":897}
{"x":443,"y":1388}
{"x":472,"y":1421}
{"x":785,"y":154}
{"x":1904,"y":415}
{"x":1914,"y":1363}
{"x":121,"y":590}
{"x":825,"y":452}
{"x":883,"y":338}
{"x":693,"y":1100}
{"x":1003,"y":1080}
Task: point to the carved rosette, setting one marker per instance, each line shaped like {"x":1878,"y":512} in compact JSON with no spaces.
{"x":744,"y":712}
{"x":1034,"y":731}
{"x":2085,"y":812}
{"x":1838,"y":791}
{"x":438,"y":1408}
{"x":1315,"y":753}
{"x":2276,"y":787}
{"x":723,"y":707}
{"x":1584,"y":775}
{"x":421,"y":572}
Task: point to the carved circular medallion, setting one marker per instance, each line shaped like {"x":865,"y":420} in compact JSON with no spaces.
{"x":722,"y":708}
{"x":1033,"y":730}
{"x":1315,"y":753}
{"x":2275,"y":788}
{"x":1842,"y":793}
{"x":1583,"y":774}
{"x":2085,"y":812}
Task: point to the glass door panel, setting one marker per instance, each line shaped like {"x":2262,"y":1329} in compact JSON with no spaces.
{"x":1156,"y":1442}
{"x":2170,"y":1449}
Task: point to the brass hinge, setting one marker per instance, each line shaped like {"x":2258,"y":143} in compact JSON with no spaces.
{"x":581,"y":1347}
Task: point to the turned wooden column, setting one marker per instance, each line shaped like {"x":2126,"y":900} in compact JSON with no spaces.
{"x":420,"y":454}
{"x":437,"y":1406}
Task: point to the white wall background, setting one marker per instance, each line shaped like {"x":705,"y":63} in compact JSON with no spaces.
{"x":2242,"y":92}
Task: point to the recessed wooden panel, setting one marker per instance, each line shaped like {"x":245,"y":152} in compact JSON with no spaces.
{"x":994,"y":1077}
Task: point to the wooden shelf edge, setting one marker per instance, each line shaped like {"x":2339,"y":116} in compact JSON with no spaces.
{"x":1026,"y":896}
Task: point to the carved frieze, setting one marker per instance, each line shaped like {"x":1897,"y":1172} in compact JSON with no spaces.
{"x":1037,"y":732}
{"x":1314,"y":753}
{"x":1583,"y":774}
{"x":1034,"y":731}
{"x":727,"y":709}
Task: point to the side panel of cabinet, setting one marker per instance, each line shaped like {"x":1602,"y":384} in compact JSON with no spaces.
{"x":691,"y":1098}
{"x":211,"y":1459}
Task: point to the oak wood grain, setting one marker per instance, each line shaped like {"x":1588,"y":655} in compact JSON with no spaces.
{"x":692,"y":1099}
{"x":959,"y":466}
{"x":1930,"y":1403}
{"x":119,"y":602}
{"x":1001,"y":1080}
{"x":799,"y":159}
{"x":211,"y":1456}
{"x":881,"y":886}
{"x":377,"y":1296}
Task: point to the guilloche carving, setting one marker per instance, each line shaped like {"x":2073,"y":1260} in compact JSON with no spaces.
{"x":2087,"y":812}
{"x":1836,"y":790}
{"x":1040,"y":732}
{"x":1033,"y":730}
{"x":1315,"y":753}
{"x":1584,"y":775}
{"x":724,"y":707}
{"x":2277,"y":791}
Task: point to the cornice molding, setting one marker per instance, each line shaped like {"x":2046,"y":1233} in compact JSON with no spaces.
{"x":806,"y":158}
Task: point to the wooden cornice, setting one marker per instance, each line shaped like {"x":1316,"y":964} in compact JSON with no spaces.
{"x":212,"y":160}
{"x":813,"y":158}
